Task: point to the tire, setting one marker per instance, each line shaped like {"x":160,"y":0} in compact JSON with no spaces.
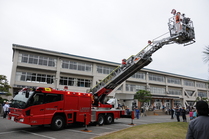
{"x":101,"y":119}
{"x":109,"y":119}
{"x":58,"y":122}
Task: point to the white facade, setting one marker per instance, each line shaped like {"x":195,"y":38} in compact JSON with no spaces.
{"x":34,"y":67}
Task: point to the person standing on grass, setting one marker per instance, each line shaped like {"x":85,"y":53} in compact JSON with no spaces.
{"x":172,"y":112}
{"x":198,"y":128}
{"x":177,"y":110}
{"x":183,"y":113}
{"x":194,"y":114}
{"x":191,"y":114}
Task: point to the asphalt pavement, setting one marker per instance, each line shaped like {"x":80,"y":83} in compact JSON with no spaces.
{"x":11,"y":130}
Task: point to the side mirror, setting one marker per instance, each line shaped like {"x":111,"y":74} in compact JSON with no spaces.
{"x":27,"y":94}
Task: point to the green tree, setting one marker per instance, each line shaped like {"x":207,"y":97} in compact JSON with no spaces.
{"x":143,"y":96}
{"x":202,"y":98}
{"x":4,"y":86}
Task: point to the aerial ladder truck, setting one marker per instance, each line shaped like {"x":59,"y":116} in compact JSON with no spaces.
{"x":47,"y":106}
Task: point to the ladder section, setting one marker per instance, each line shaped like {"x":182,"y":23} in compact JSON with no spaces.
{"x":136,"y":62}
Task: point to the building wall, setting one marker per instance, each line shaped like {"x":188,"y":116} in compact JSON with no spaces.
{"x":34,"y":67}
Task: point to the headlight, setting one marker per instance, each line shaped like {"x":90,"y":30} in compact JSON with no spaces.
{"x":21,"y":120}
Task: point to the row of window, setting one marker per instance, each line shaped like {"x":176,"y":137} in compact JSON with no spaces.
{"x":158,"y":78}
{"x":34,"y":77}
{"x":160,"y":90}
{"x":134,"y":88}
{"x":68,"y":81}
{"x":157,"y":90}
{"x":201,"y":85}
{"x":173,"y":80}
{"x":138,"y":75}
{"x":104,"y":70}
{"x":66,"y":64}
{"x":189,"y":83}
{"x":175,"y":92}
{"x":37,"y":60}
{"x":49,"y":79}
{"x":202,"y":94}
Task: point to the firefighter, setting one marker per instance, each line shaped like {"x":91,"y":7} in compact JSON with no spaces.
{"x":123,"y":63}
{"x":178,"y":22}
{"x":177,"y":19}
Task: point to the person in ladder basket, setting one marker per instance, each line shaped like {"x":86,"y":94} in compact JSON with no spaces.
{"x":178,"y":22}
{"x":177,"y":19}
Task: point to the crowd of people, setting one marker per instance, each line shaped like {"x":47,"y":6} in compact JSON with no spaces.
{"x":176,"y":112}
{"x":137,"y":111}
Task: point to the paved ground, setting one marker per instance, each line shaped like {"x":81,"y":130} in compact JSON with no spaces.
{"x":12,"y":130}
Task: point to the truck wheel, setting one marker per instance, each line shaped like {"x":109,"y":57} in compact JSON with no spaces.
{"x":109,"y":119}
{"x":57,"y":122}
{"x":100,"y":119}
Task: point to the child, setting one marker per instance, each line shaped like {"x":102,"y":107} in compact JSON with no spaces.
{"x":191,"y":114}
{"x":194,"y":114}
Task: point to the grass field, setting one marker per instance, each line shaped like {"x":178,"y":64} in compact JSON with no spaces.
{"x":171,"y":130}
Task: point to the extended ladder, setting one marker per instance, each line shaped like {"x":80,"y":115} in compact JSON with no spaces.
{"x":140,"y":60}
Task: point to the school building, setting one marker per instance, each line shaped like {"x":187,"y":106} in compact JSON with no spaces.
{"x":34,"y":67}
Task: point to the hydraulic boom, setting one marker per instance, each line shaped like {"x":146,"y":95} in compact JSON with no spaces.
{"x":136,"y":62}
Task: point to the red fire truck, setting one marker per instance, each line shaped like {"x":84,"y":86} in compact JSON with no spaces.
{"x":47,"y":106}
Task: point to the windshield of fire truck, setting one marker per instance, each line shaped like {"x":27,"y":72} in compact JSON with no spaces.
{"x":20,"y":100}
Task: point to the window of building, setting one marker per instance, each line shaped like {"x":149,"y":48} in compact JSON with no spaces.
{"x":34,"y":77}
{"x":139,"y":75}
{"x":66,"y":64}
{"x":51,"y":62}
{"x":68,"y":81}
{"x":177,"y":103}
{"x":138,"y":87}
{"x":158,"y":78}
{"x":134,"y":88}
{"x":202,"y":94}
{"x":37,"y":60}
{"x":172,"y":80}
{"x":188,"y":83}
{"x":157,"y":90}
{"x":200,"y":85}
{"x":33,"y":59}
{"x":83,"y":83}
{"x":175,"y":91}
{"x":104,"y":70}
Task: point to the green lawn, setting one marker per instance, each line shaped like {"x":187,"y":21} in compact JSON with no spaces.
{"x":171,"y":130}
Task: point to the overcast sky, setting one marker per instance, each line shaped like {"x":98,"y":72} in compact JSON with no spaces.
{"x":104,"y":29}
